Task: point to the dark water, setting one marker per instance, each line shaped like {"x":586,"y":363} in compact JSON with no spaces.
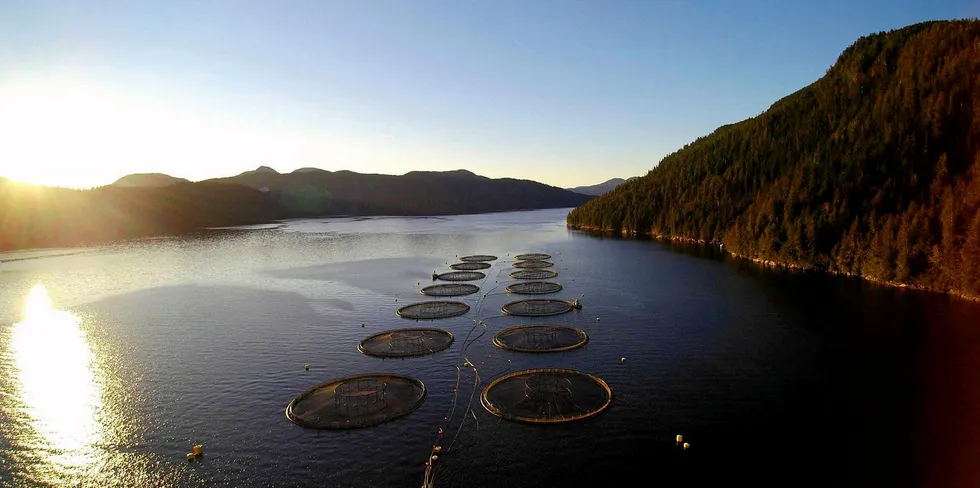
{"x":775,"y":379}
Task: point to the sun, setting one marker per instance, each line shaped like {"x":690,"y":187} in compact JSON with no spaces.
{"x":69,"y":135}
{"x":80,"y":135}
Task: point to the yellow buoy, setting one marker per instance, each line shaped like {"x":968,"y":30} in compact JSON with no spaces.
{"x":190,"y":456}
{"x":306,"y":367}
{"x":622,"y":360}
{"x":686,"y":446}
{"x":680,"y":438}
{"x":198,"y":449}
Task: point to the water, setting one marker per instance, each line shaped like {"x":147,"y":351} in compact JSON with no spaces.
{"x":776,"y":379}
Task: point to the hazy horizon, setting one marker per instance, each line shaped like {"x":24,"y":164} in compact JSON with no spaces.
{"x":569,"y":94}
{"x":305,"y":168}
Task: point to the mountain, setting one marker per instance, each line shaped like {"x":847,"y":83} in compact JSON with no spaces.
{"x":147,"y":205}
{"x":313,"y":192}
{"x":38,"y":216}
{"x":147,"y":179}
{"x":873,"y":170}
{"x":601,"y":188}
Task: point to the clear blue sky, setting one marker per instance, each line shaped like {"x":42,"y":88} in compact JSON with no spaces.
{"x":561,"y":91}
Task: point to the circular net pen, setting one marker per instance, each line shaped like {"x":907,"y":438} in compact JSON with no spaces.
{"x":433,"y":310}
{"x":450,"y":290}
{"x":534,"y":288}
{"x":403,"y":343}
{"x":357,"y":401}
{"x":532,"y":256}
{"x":540,"y":338}
{"x":533,"y":274}
{"x":533,"y":264}
{"x":546,"y":396}
{"x":478,"y":258}
{"x":537,"y":307}
{"x":464,"y":266}
{"x":460,"y":276}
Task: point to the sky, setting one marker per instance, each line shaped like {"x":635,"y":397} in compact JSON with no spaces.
{"x":564,"y":92}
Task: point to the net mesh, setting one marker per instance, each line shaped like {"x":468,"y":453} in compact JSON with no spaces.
{"x":537,"y":307}
{"x":533,"y":264}
{"x":433,"y":310}
{"x":461,"y":276}
{"x":400,"y":343}
{"x":533,"y":274}
{"x":534,"y":288}
{"x":357,"y":401}
{"x":532,"y":256}
{"x":478,"y":257}
{"x":546,"y":396}
{"x":470,"y":266}
{"x":450,"y":290}
{"x":540,"y":338}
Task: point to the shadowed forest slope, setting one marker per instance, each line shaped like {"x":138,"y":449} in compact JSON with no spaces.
{"x":315,"y":192}
{"x":873,"y":170}
{"x":39,"y":216}
{"x":156,"y":204}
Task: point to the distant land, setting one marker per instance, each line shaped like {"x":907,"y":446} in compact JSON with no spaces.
{"x":157,"y":204}
{"x":872,"y":170}
{"x":311,"y":192}
{"x":601,"y":188}
{"x":148,"y":179}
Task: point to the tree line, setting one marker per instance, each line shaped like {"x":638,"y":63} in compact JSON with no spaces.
{"x":873,"y":170}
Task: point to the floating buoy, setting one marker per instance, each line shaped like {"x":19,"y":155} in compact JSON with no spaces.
{"x":190,"y":456}
{"x":680,"y":438}
{"x":687,"y":446}
{"x":198,"y":450}
{"x":436,"y":448}
{"x":362,"y":324}
{"x":435,"y":458}
{"x":597,"y":319}
{"x":306,"y":367}
{"x":622,"y":360}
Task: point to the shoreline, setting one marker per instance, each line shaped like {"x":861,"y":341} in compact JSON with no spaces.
{"x":767,"y":263}
{"x":220,"y":228}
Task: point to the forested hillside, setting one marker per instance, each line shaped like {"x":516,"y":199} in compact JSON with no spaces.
{"x":315,"y":192}
{"x":872,"y":170}
{"x":38,"y":216}
{"x":156,"y":204}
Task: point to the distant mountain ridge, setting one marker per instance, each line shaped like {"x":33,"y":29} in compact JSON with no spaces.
{"x":599,"y":189}
{"x":153,"y":204}
{"x":316,"y":192}
{"x":148,"y":180}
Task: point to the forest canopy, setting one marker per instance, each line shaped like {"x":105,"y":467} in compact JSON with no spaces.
{"x":872,"y":170}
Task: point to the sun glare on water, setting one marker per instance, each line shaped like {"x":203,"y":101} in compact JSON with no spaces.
{"x":58,"y":387}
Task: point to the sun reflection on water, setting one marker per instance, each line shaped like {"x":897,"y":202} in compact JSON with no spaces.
{"x":59,"y":391}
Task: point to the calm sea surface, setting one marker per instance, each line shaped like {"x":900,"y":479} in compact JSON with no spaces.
{"x":115,"y":360}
